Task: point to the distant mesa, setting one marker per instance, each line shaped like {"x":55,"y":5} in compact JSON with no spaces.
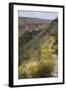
{"x":30,"y":24}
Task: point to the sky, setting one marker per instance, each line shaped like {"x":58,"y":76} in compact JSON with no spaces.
{"x":38,"y":14}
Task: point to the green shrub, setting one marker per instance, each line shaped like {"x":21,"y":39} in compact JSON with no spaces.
{"x":46,"y":67}
{"x":33,"y":70}
{"x":21,"y":72}
{"x":47,"y":63}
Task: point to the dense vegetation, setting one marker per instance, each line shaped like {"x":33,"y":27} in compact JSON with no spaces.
{"x":24,"y":39}
{"x":38,"y":60}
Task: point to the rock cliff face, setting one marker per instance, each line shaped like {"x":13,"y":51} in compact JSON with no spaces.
{"x":32,"y":24}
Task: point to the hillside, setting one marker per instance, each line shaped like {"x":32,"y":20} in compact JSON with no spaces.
{"x":31,"y":24}
{"x":39,"y":46}
{"x":23,"y":20}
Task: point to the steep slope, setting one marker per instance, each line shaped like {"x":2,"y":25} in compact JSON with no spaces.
{"x":38,"y":52}
{"x":30,"y":41}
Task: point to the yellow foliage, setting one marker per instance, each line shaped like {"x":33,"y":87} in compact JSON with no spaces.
{"x":33,"y":69}
{"x":21,"y":72}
